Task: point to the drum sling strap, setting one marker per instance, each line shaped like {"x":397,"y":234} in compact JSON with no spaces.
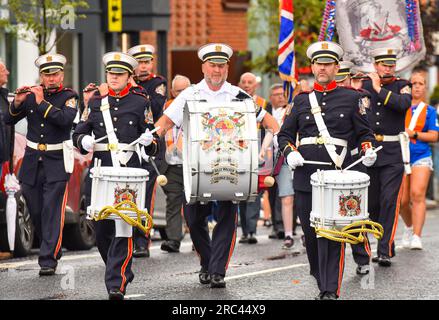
{"x":323,"y":130}
{"x":112,"y":139}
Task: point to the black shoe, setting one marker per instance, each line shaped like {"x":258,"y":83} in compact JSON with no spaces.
{"x":363,"y":270}
{"x":47,"y":271}
{"x":329,"y":296}
{"x":252,"y":239}
{"x":244,"y":239}
{"x":141,"y":252}
{"x":319,"y":296}
{"x":281,"y":235}
{"x":170,"y":246}
{"x":204,"y":276}
{"x":375,"y":259}
{"x":303,"y":240}
{"x":115,"y":294}
{"x":384,"y":261}
{"x":273,"y":235}
{"x":217,"y":281}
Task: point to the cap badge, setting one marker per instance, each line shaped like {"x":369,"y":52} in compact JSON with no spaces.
{"x":49,"y":59}
{"x":218,"y":48}
{"x":117,"y":56}
{"x":390,"y":51}
{"x":325,"y":46}
{"x":142,"y":49}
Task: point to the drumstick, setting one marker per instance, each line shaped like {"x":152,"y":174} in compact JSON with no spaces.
{"x":317,"y":162}
{"x":137,"y":140}
{"x":101,"y":138}
{"x":161,"y":179}
{"x":361,"y":159}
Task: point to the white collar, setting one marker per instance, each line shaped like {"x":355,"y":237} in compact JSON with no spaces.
{"x":226,"y":87}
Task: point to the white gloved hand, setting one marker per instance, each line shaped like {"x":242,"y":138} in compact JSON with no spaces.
{"x":146,"y":138}
{"x":369,"y":157}
{"x":144,"y":155}
{"x":88,"y":143}
{"x":295,"y":159}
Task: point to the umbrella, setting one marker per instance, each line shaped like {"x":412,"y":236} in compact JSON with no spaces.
{"x":11,"y":187}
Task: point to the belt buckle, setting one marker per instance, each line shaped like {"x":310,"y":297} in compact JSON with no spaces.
{"x":379,"y":137}
{"x":320,"y":140}
{"x":42,"y":147}
{"x":112,"y":147}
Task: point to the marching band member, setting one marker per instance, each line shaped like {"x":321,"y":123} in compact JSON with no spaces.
{"x":50,"y":110}
{"x":154,"y":86}
{"x":214,"y":253}
{"x":324,"y":119}
{"x":390,"y":99}
{"x":127,"y":120}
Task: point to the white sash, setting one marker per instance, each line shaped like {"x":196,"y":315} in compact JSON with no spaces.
{"x":416,"y":115}
{"x":323,"y":130}
{"x":112,"y":139}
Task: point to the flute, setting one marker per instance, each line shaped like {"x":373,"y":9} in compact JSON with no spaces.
{"x":28,"y":89}
{"x":367,"y":77}
{"x":140,"y":75}
{"x":90,"y":89}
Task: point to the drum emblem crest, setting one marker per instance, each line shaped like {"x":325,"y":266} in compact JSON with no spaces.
{"x":350,"y":205}
{"x":124,"y":194}
{"x":223,"y":131}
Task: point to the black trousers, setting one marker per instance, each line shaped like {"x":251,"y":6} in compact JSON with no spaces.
{"x":117,"y":252}
{"x":214,"y":253}
{"x":326,"y":257}
{"x":384,"y":200}
{"x":46,"y":203}
{"x":175,"y":201}
{"x":276,"y":209}
{"x":249,"y":215}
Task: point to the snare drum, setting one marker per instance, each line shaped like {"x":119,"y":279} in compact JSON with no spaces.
{"x":339,"y":198}
{"x":111,"y":185}
{"x":220,"y":151}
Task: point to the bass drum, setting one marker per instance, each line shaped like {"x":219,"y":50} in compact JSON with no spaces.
{"x":220,"y":151}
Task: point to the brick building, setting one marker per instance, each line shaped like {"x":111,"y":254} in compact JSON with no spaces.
{"x":194,"y":23}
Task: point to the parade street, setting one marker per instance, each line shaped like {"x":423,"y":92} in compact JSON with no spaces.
{"x":256,"y":272}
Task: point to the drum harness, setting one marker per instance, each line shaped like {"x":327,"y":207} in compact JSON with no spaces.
{"x":353,"y":233}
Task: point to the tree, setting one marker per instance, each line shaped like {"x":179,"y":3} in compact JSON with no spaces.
{"x":36,"y":20}
{"x":429,"y":12}
{"x":307,"y":21}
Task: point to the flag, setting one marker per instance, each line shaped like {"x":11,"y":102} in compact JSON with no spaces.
{"x":286,"y":58}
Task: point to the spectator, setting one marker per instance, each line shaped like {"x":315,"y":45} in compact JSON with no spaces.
{"x":284,"y":179}
{"x":173,"y":170}
{"x":249,"y":211}
{"x":422,"y":128}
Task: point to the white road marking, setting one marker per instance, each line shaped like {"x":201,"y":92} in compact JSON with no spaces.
{"x":251,"y":274}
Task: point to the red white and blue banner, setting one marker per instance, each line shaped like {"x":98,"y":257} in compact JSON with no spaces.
{"x":286,"y":55}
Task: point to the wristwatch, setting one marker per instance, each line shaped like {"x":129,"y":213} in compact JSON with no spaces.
{"x":415,"y":136}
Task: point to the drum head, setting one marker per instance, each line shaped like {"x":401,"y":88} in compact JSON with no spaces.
{"x":187,"y":155}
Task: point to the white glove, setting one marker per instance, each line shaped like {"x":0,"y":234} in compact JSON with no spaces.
{"x":369,"y":157}
{"x":88,"y":143}
{"x":295,"y":159}
{"x":144,"y":155}
{"x":146,"y":138}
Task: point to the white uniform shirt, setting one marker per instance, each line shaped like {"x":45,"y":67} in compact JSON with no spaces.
{"x":226,"y":93}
